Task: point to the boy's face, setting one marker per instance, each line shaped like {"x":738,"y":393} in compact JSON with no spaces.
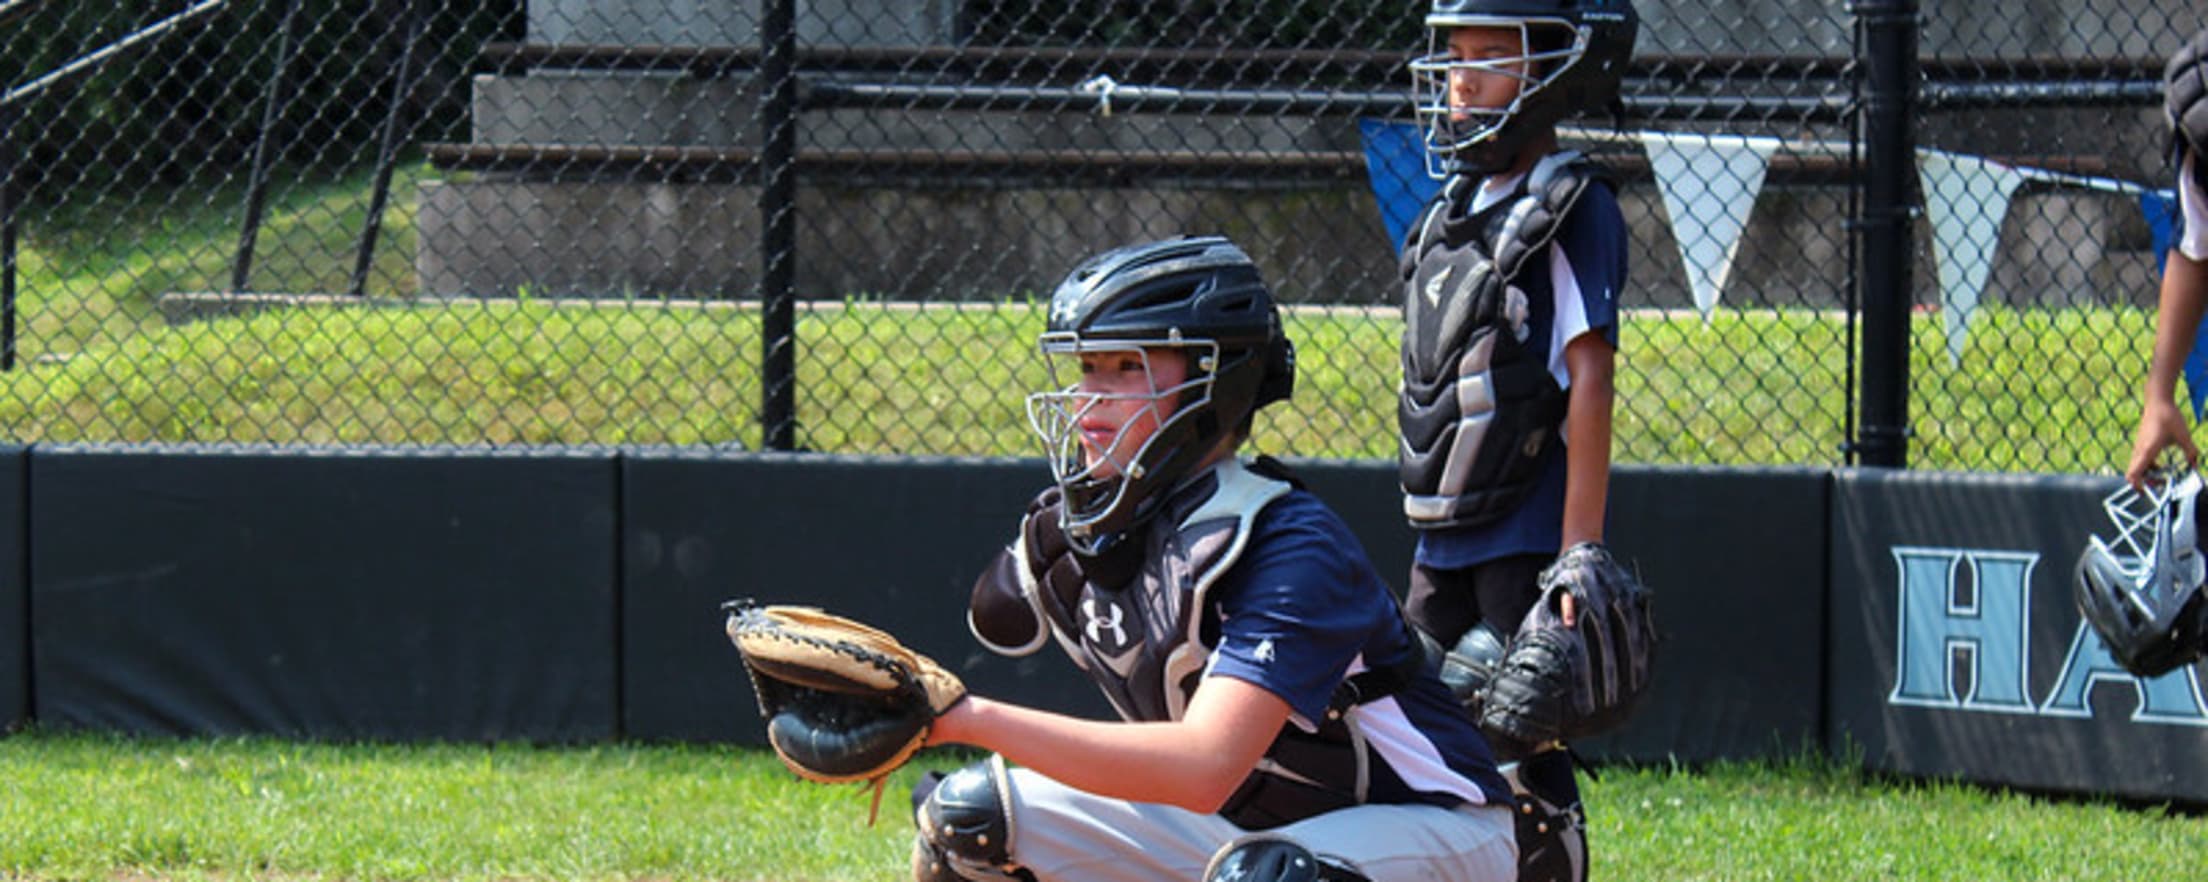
{"x":1496,"y":83}
{"x":1125,"y":395}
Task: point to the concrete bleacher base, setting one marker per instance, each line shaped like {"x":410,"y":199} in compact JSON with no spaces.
{"x":1318,"y":241}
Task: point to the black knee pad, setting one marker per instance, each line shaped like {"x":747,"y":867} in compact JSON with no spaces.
{"x":1271,"y":859}
{"x":965,"y":824}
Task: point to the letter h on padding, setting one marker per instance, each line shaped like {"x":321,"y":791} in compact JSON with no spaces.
{"x":1934,"y":625}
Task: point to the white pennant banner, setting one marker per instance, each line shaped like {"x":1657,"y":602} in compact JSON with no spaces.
{"x":1965,"y":198}
{"x":1709,"y":184}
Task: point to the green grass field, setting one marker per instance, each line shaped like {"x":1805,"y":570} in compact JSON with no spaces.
{"x":2036,"y":391}
{"x":82,"y":807}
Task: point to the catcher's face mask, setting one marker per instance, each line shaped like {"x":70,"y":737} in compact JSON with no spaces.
{"x":1118,"y":410}
{"x":2137,"y":588}
{"x":1476,"y":77}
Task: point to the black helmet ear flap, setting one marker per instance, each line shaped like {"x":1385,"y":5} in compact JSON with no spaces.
{"x":1280,"y":373}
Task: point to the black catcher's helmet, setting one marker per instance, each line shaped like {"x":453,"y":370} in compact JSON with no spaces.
{"x":1198,"y":294}
{"x":1576,"y":52}
{"x":2185,"y":102}
{"x":2143,"y":592}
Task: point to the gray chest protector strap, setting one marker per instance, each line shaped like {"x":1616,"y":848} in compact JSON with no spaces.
{"x":1146,"y":645}
{"x":1479,"y":412}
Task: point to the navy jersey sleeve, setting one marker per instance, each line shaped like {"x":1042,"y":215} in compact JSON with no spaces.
{"x":1594,"y":240}
{"x":1299,"y":607}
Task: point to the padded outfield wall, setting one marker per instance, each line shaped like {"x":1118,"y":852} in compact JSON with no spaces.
{"x":1923,"y":619}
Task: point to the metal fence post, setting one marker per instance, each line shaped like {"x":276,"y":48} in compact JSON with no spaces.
{"x":778,"y":223}
{"x":7,"y":236}
{"x":1888,"y":35}
{"x":256,"y":186}
{"x":387,"y":147}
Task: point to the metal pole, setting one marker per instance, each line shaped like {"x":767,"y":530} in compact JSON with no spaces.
{"x":256,"y":187}
{"x":778,"y":224}
{"x":97,"y":57}
{"x":387,"y":149}
{"x":7,"y":237}
{"x":1890,"y":42}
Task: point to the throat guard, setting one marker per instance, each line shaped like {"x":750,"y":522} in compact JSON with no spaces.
{"x":1479,"y":413}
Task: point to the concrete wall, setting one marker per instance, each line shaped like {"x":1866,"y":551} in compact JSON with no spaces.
{"x":735,"y":22}
{"x":1952,"y":28}
{"x":933,"y":235}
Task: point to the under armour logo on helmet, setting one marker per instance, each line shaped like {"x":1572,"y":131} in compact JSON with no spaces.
{"x":1063,"y":307}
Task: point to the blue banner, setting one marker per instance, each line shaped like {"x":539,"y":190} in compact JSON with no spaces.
{"x":1395,"y":162}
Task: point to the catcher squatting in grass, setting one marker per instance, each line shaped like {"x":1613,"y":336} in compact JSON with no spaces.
{"x":82,"y":806}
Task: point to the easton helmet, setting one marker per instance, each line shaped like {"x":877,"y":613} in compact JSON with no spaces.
{"x":2142,"y":593}
{"x":1200,"y":295}
{"x":1571,"y":56}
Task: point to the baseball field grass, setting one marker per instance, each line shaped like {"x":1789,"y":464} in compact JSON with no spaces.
{"x":2041,"y":392}
{"x":2033,"y":390}
{"x":99,"y":807}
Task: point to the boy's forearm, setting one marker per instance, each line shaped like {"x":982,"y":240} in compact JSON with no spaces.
{"x":1587,"y":442}
{"x":2184,"y":291}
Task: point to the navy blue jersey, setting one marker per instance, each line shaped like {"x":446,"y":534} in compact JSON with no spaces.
{"x":1571,"y":289}
{"x":1302,"y":608}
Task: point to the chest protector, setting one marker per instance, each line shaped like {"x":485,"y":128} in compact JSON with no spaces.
{"x":1479,"y":413}
{"x":1146,"y":644}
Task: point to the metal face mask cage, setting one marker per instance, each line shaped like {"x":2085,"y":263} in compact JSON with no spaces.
{"x":1108,"y":492}
{"x":1447,"y":129}
{"x":2154,"y":545}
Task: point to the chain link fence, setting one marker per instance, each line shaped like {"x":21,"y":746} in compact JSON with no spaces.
{"x":827,"y":225}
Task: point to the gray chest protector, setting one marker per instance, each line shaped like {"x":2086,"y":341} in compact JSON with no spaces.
{"x":1479,"y":413}
{"x":1146,"y":643}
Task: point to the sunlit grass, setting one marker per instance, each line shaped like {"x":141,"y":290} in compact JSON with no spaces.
{"x":108,"y":807}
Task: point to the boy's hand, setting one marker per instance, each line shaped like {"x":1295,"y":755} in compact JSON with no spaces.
{"x":2161,"y":427}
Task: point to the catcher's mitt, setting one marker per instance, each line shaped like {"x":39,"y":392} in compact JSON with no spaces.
{"x":843,"y":701}
{"x":1557,"y":683}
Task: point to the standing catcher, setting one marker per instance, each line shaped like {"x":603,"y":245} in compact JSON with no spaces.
{"x":1279,"y":722}
{"x":2185,"y":276}
{"x":2144,"y":594}
{"x":1511,"y":278}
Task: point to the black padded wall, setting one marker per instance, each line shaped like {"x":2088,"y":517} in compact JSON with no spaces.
{"x":15,"y":629}
{"x":1737,"y":559}
{"x":385,"y":595}
{"x":1958,"y":650}
{"x":896,"y":543}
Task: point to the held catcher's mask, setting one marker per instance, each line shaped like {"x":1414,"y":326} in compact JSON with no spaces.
{"x":1571,"y":55}
{"x":1199,"y":296}
{"x":2142,"y":592}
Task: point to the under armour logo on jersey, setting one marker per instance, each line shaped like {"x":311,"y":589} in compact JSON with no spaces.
{"x":1097,"y":622}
